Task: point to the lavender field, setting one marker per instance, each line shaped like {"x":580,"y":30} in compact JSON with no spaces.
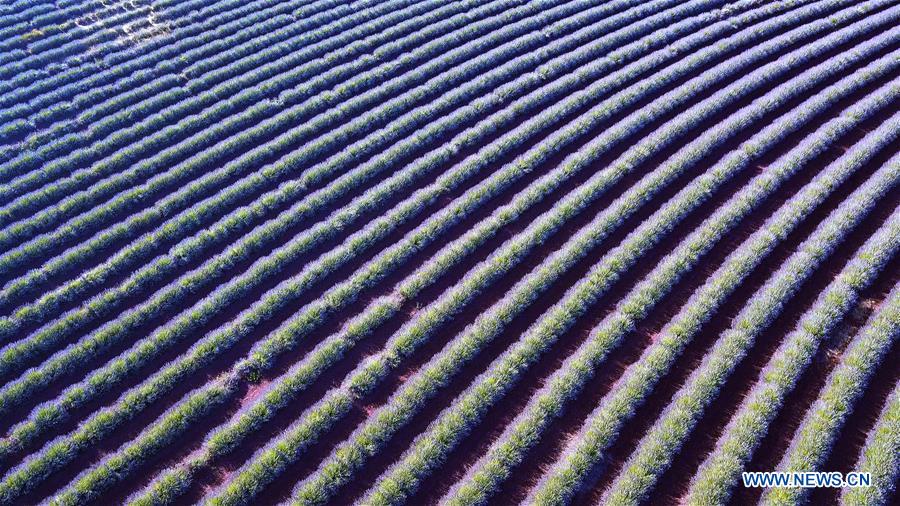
{"x":448,"y":251}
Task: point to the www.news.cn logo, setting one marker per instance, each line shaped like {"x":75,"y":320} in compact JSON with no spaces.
{"x":806,"y":480}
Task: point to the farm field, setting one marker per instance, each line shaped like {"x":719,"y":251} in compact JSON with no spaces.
{"x":448,"y":251}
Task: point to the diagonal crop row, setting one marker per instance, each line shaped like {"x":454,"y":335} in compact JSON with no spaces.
{"x":183,"y":252}
{"x":73,"y":46}
{"x":45,"y":16}
{"x":69,"y":26}
{"x":515,"y":136}
{"x":158,"y":185}
{"x":353,"y":33}
{"x":64,"y":49}
{"x":15,"y":18}
{"x":191,"y":41}
{"x":720,"y":471}
{"x":162,"y":432}
{"x":523,"y":433}
{"x":49,"y":52}
{"x":253,"y":85}
{"x":219,"y":22}
{"x":182,"y":197}
{"x":256,"y":94}
{"x":507,"y":174}
{"x":182,"y":225}
{"x":90,"y":220}
{"x":372,"y":372}
{"x":658,"y":446}
{"x":45,"y":55}
{"x":158,"y":434}
{"x":824,"y":420}
{"x":880,"y":458}
{"x":103,"y":29}
{"x":621,"y":402}
{"x":210,"y":345}
{"x":44,"y":130}
{"x":330,"y":351}
{"x":103,"y":109}
{"x":431,"y":448}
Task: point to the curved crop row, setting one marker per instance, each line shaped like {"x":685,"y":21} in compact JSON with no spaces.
{"x":462,"y":94}
{"x":172,"y":203}
{"x":845,"y":386}
{"x":204,"y":118}
{"x":880,"y":458}
{"x":487,"y":325}
{"x":402,"y":251}
{"x":655,"y":451}
{"x":208,"y":182}
{"x":101,"y":31}
{"x":218,"y":342}
{"x":210,"y":345}
{"x":172,"y":483}
{"x":380,"y":308}
{"x":169,"y":124}
{"x":383,"y":308}
{"x":254,"y":87}
{"x":104,"y":109}
{"x":483,"y":478}
{"x":431,"y":448}
{"x":252,"y":241}
{"x":510,"y":141}
{"x":720,"y":471}
{"x":619,"y":404}
{"x":212,"y":21}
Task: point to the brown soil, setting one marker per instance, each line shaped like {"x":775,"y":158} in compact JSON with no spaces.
{"x":674,"y":483}
{"x":546,"y":451}
{"x":785,"y":423}
{"x":495,"y":421}
{"x":847,"y":450}
{"x":477,"y":217}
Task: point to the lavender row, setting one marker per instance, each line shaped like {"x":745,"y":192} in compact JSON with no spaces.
{"x":331,"y":350}
{"x":825,"y":419}
{"x":103,"y":108}
{"x":223,"y":341}
{"x":374,"y":370}
{"x":880,"y":458}
{"x":330,"y":228}
{"x":183,"y":224}
{"x":458,"y":420}
{"x":658,"y":447}
{"x":721,"y":469}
